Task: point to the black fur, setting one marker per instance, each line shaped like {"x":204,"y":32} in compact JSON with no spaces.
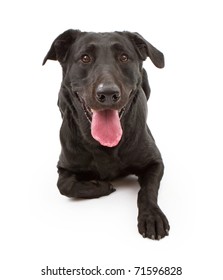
{"x":85,"y":166}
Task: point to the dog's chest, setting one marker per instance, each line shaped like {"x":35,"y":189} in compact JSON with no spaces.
{"x":108,"y":165}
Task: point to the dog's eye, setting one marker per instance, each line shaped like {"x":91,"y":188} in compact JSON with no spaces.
{"x":123,"y":58}
{"x":86,"y":58}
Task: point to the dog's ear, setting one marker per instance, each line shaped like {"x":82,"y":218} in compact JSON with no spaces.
{"x":145,"y":49}
{"x":60,"y":45}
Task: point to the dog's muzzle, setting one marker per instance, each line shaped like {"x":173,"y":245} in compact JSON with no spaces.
{"x":108,"y":94}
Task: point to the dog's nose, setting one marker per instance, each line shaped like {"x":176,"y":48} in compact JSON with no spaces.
{"x":108,"y":94}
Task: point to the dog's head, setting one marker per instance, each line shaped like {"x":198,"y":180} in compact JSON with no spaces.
{"x":103,"y":71}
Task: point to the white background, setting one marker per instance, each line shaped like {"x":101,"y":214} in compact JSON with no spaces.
{"x":39,"y":227}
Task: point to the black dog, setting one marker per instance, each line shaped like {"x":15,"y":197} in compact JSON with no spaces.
{"x":104,"y":135}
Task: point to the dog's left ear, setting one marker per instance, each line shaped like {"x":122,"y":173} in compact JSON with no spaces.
{"x":145,"y":49}
{"x":61,"y":45}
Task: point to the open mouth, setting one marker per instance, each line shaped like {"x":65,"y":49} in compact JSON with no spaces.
{"x":89,"y":112}
{"x":105,"y":124}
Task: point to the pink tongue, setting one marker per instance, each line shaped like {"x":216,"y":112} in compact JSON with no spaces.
{"x":106,"y":127}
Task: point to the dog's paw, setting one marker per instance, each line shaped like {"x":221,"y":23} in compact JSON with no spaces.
{"x":153,"y":224}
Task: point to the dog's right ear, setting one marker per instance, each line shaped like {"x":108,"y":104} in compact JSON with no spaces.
{"x":60,"y":45}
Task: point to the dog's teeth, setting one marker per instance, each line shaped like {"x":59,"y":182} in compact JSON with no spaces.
{"x":89,"y":110}
{"x":152,"y":237}
{"x":121,"y":112}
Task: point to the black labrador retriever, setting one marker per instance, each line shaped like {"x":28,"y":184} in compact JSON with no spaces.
{"x":104,"y":135}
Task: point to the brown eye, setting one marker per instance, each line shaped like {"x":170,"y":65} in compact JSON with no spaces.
{"x":123,"y":58}
{"x":85,"y":58}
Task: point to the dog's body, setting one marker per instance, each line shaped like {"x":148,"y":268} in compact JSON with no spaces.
{"x":104,"y":135}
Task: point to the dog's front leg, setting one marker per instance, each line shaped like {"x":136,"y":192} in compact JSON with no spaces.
{"x":70,"y":186}
{"x":152,"y":223}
